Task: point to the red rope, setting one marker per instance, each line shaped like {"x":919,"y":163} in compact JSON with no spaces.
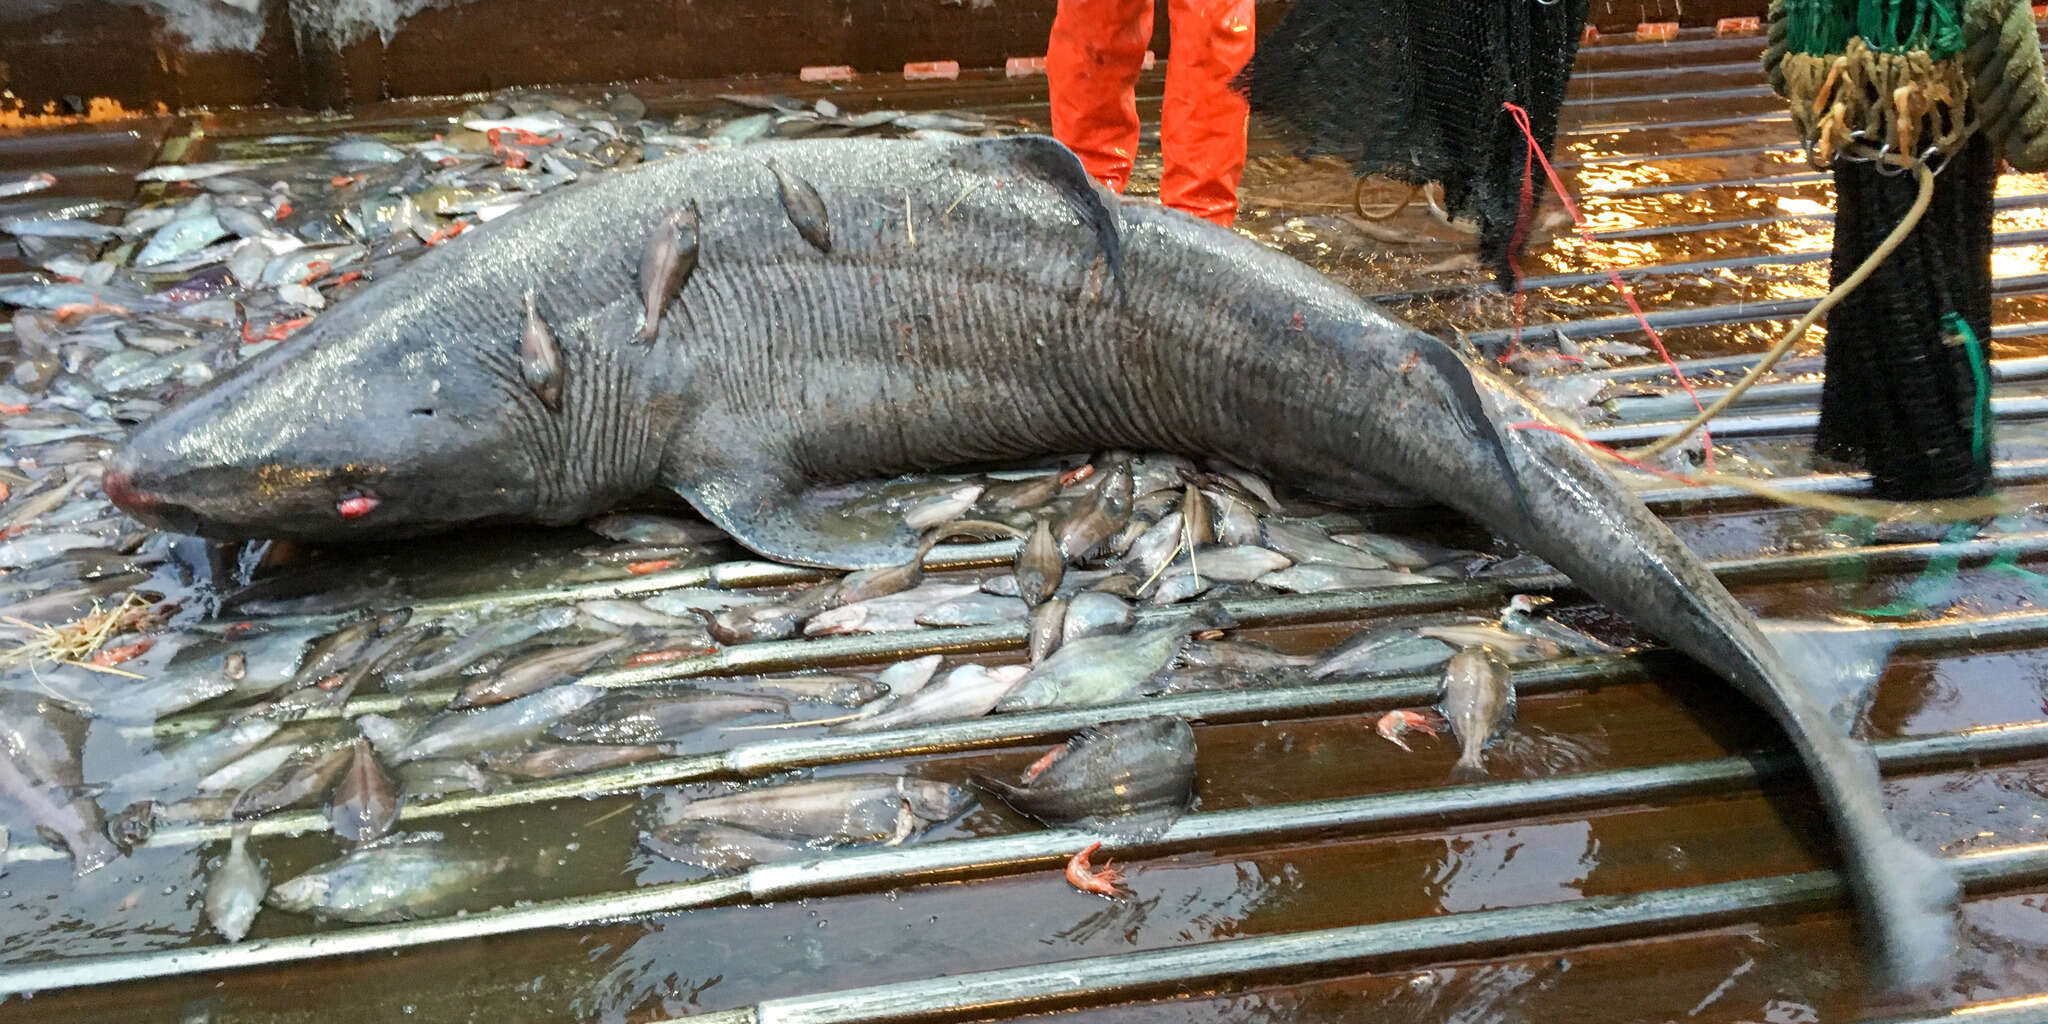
{"x":1535,"y":156}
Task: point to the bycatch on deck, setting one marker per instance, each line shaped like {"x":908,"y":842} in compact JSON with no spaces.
{"x":859,"y":308}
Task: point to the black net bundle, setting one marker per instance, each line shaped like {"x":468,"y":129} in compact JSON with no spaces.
{"x":1413,"y":90}
{"x":1902,"y":389}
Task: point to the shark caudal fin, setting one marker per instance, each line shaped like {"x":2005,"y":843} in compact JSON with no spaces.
{"x":1910,"y":924}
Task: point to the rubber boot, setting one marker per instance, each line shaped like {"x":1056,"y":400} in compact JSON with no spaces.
{"x":1091,"y":65}
{"x":1202,"y":127}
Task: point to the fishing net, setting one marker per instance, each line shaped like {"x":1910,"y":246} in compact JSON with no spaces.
{"x":1414,"y":90}
{"x":1881,"y":89}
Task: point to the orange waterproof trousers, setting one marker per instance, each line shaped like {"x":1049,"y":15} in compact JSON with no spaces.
{"x":1092,"y":63}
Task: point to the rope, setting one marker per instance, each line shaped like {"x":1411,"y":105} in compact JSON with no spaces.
{"x":1358,"y":202}
{"x":1798,"y":330}
{"x":2004,"y":66}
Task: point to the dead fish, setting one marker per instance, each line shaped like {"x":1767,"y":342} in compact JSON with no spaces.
{"x":1240,"y":564}
{"x":844,"y":809}
{"x":460,"y":733}
{"x":299,"y":780}
{"x":540,"y":357}
{"x":235,"y":892}
{"x":941,"y":508}
{"x":1512,"y":647}
{"x":1197,"y":520}
{"x":637,"y":718}
{"x":891,"y":612}
{"x":1044,"y":630}
{"x":554,"y":762}
{"x":1129,"y":779}
{"x":976,"y":609}
{"x":478,"y":643}
{"x":1304,"y":542}
{"x":1237,"y":522}
{"x":716,"y":847}
{"x":194,"y":172}
{"x":1243,"y":655}
{"x":535,"y":672}
{"x":439,"y":776}
{"x":647,"y":528}
{"x":774,"y":620}
{"x":1094,"y":613}
{"x":1388,"y":650}
{"x":968,"y":691}
{"x":247,"y":770}
{"x":1400,"y":553}
{"x":1021,"y":495}
{"x":1099,"y":669}
{"x":1317,"y":579}
{"x":666,"y":263}
{"x":1520,"y":617}
{"x":1099,"y":518}
{"x":365,"y":805}
{"x":389,"y":881}
{"x":195,"y":758}
{"x":40,"y":774}
{"x":334,"y":653}
{"x":632,"y":613}
{"x":823,"y":688}
{"x":1039,"y":565}
{"x":1478,"y":702}
{"x":1153,"y":550}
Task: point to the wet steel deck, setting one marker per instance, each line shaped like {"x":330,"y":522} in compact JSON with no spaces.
{"x":1661,"y":875}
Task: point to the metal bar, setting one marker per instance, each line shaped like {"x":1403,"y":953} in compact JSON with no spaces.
{"x":2002,"y":370}
{"x":1629,"y":127}
{"x":1802,"y":178}
{"x":1734,"y":92}
{"x":1682,"y":154}
{"x":1705,"y":316}
{"x":2019,"y":202}
{"x":1792,"y":392}
{"x":2032,"y":236}
{"x":2007,"y":409}
{"x":883,"y":868}
{"x":1343,"y":696}
{"x":1327,"y":952}
{"x":1292,"y":609}
{"x":2005,"y":474}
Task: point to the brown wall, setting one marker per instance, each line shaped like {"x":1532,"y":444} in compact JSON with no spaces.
{"x":59,"y":54}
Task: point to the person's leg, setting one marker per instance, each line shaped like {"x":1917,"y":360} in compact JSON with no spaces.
{"x":1203,"y":126}
{"x":1091,"y":65}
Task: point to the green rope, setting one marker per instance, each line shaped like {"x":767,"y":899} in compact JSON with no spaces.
{"x":1980,"y":373}
{"x":1824,"y":27}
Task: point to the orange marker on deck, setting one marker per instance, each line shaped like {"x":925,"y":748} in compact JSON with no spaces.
{"x":1656,"y":31}
{"x":931,"y":70}
{"x":1743,"y":26}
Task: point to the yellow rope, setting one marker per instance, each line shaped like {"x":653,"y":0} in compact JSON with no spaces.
{"x":1358,"y":202}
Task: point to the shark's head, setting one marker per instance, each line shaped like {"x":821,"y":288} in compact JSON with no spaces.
{"x":404,"y":410}
{"x":375,"y":419}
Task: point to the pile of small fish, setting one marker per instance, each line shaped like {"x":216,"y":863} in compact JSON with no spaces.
{"x":1124,"y":567}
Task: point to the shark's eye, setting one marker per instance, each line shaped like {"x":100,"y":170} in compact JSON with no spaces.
{"x":356,"y":505}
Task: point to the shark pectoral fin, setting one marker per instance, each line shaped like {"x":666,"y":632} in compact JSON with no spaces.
{"x":1044,"y":158}
{"x":791,"y":522}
